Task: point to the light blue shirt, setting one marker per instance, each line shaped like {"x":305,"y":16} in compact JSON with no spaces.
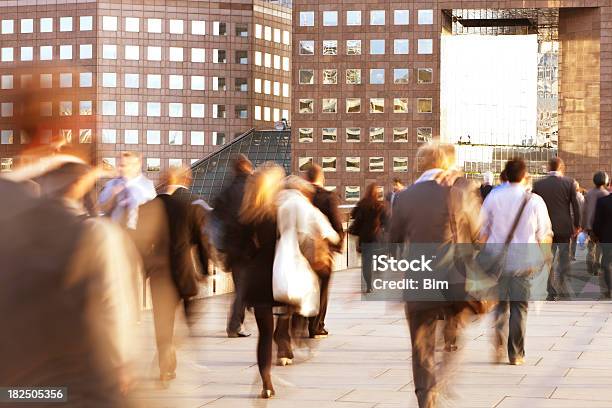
{"x":137,"y":191}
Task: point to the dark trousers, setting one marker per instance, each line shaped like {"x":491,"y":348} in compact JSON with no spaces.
{"x":511,"y":313}
{"x":265,"y":324}
{"x":422,"y":325}
{"x":317,"y":323}
{"x":606,"y":278}
{"x":238,"y":309}
{"x":593,"y":257}
{"x":165,"y":299}
{"x":556,"y":285}
{"x":366,"y":272}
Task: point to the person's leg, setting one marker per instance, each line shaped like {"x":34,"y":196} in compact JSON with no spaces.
{"x":591,"y":255}
{"x":282,"y":336}
{"x":366,"y":271}
{"x":551,"y":283}
{"x":316,"y":324}
{"x":236,"y":317}
{"x":422,"y":325}
{"x":451,"y":328}
{"x":564,"y":266}
{"x":604,"y":280}
{"x":519,"y":298}
{"x":572,"y":249}
{"x":265,"y":324}
{"x":501,"y":328}
{"x":165,"y":299}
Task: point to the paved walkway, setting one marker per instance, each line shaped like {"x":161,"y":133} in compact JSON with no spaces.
{"x":365,"y":362}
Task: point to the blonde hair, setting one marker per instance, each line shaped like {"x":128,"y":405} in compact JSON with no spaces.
{"x":434,"y":155}
{"x":260,"y":194}
{"x":297,"y":183}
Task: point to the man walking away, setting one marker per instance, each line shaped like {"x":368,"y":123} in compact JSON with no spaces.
{"x":390,"y":197}
{"x":327,"y":202}
{"x":487,"y":184}
{"x":602,"y":234}
{"x":559,"y":194}
{"x":601,"y":181}
{"x":513,"y":214}
{"x":233,"y":239}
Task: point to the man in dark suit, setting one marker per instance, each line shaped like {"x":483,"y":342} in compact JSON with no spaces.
{"x":602,"y":233}
{"x":559,"y":194}
{"x":169,"y":228}
{"x":396,"y":188}
{"x":327,"y":202}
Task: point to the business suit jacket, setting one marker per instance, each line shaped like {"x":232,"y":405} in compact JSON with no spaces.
{"x":327,"y":202}
{"x":559,"y":194}
{"x":602,"y":223}
{"x":590,"y":202}
{"x":169,"y":228}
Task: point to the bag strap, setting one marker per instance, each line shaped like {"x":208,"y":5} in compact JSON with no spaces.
{"x":517,"y":219}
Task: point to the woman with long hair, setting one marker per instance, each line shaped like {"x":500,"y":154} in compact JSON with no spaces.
{"x":369,"y":219}
{"x":258,"y":217}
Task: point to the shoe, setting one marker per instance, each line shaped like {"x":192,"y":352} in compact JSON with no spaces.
{"x":319,"y":334}
{"x":551,"y":298}
{"x":604,"y":297}
{"x":267,"y":393}
{"x":238,"y":334}
{"x":499,"y":355}
{"x":450,"y":348}
{"x":517,"y":361}
{"x":167,"y":376}
{"x":369,"y":290}
{"x":284,"y":361}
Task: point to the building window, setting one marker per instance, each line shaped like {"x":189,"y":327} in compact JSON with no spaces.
{"x":218,"y":84}
{"x":7,"y":54}
{"x":85,"y":136}
{"x":267,"y":60}
{"x":304,"y":163}
{"x":219,"y":56}
{"x":175,"y":137}
{"x":132,"y":80}
{"x":198,"y":27}
{"x":218,"y":111}
{"x":153,"y":164}
{"x":401,"y":17}
{"x":109,"y":163}
{"x":377,"y":134}
{"x":353,"y":47}
{"x":176,"y":27}
{"x":400,"y":164}
{"x":153,"y":137}
{"x":329,"y":135}
{"x":425,"y":17}
{"x":109,"y":108}
{"x":85,"y":108}
{"x":400,"y":105}
{"x":329,"y":105}
{"x":401,"y":76}
{"x":197,"y":138}
{"x":330,"y":47}
{"x":65,"y":52}
{"x":109,"y":80}
{"x":65,"y":24}
{"x":353,"y":76}
{"x":132,"y":52}
{"x":154,"y":81}
{"x":46,"y":25}
{"x":219,"y":28}
{"x":330,"y":76}
{"x":377,"y":105}
{"x":85,"y":23}
{"x":109,"y":23}
{"x":6,"y":82}
{"x":377,"y":17}
{"x":306,"y":18}
{"x":400,"y":135}
{"x":424,"y":105}
{"x":46,"y":53}
{"x":176,"y":54}
{"x":305,"y":135}
{"x":175,"y":82}
{"x":85,"y":79}
{"x":286,"y":64}
{"x":330,"y":18}
{"x":109,"y":136}
{"x":130,"y":109}
{"x":353,"y":135}
{"x":241,"y":112}
{"x":6,"y":137}
{"x":424,"y":134}
{"x":268,"y":33}
{"x":218,"y":138}
{"x":154,"y":25}
{"x":258,"y":58}
{"x":377,"y":76}
{"x":377,"y":47}
{"x":27,"y":26}
{"x":197,"y":110}
{"x":306,"y":106}
{"x":46,"y":109}
{"x":85,"y":51}
{"x":377,"y":164}
{"x":352,"y":193}
{"x":153,"y":109}
{"x":257,"y":112}
{"x":400,"y":46}
{"x":6,"y":164}
{"x":242,"y":30}
{"x":198,"y":55}
{"x":353,"y":17}
{"x":353,"y":105}
{"x":285,"y":90}
{"x":154,"y":53}
{"x":258,"y":29}
{"x":306,"y":47}
{"x":130,"y":136}
{"x":276,"y":91}
{"x":175,"y":163}
{"x":286,"y":37}
{"x":132,"y":24}
{"x":27,"y":53}
{"x":109,"y":51}
{"x":328,"y":163}
{"x":65,"y":80}
{"x":266,"y":113}
{"x":242,"y":57}
{"x":198,"y":83}
{"x":66,"y":134}
{"x":46,"y":81}
{"x":425,"y":46}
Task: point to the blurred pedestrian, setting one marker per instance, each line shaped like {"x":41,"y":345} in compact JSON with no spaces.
{"x":258,"y":218}
{"x":487,"y":184}
{"x":169,"y":228}
{"x":440,"y":208}
{"x":515,"y":221}
{"x":327,"y":202}
{"x":601,"y":180}
{"x":121,"y":196}
{"x":232,"y":238}
{"x":396,"y":187}
{"x":559,"y":194}
{"x":580,"y":199}
{"x":370,"y":217}
{"x":602,"y":234}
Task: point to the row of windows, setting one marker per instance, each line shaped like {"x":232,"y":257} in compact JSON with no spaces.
{"x":354,"y":18}
{"x":353,"y":76}
{"x":152,"y":164}
{"x":353,"y":164}
{"x":401,"y":46}
{"x":376,"y":105}
{"x":270,"y":114}
{"x":45,"y":53}
{"x":84,"y":136}
{"x":271,"y":87}
{"x":265,"y":33}
{"x":374,"y":134}
{"x":268,"y":58}
{"x":111,"y":23}
{"x":152,"y":81}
